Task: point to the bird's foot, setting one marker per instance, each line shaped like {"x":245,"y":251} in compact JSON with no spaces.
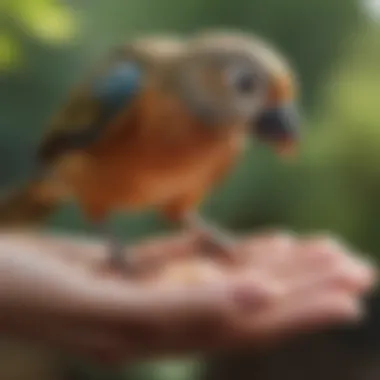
{"x":215,"y":243}
{"x":125,"y":261}
{"x":121,"y":259}
{"x":212,"y":241}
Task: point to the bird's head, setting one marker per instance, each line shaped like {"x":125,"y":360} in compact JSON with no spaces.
{"x":235,"y":79}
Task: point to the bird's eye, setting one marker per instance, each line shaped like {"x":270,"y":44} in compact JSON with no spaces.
{"x":245,"y":82}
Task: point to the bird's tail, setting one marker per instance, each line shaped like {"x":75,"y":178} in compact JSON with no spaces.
{"x":31,"y":204}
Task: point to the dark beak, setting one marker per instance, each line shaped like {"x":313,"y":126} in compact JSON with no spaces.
{"x":279,"y":127}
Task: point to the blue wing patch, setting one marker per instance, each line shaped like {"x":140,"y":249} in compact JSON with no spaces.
{"x":118,"y":86}
{"x":113,"y":91}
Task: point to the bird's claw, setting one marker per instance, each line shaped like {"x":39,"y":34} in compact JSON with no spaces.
{"x":119,"y":259}
{"x":125,"y":261}
{"x":218,"y":245}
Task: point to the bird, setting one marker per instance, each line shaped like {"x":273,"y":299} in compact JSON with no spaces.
{"x":159,"y":124}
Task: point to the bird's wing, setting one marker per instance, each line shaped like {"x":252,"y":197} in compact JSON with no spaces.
{"x":92,"y":106}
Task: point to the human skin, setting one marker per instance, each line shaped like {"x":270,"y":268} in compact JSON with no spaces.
{"x":55,"y":290}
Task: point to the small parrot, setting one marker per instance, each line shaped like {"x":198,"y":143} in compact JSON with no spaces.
{"x":158,"y":125}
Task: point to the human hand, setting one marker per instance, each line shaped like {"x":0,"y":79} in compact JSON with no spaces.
{"x":52,"y":290}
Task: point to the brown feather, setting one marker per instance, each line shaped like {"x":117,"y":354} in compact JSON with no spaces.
{"x":163,"y":156}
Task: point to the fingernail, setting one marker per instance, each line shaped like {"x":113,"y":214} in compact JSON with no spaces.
{"x":362,"y":275}
{"x":369,"y":267}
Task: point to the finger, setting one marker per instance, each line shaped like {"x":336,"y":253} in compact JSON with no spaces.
{"x":313,"y":257}
{"x":354,"y":278}
{"x":303,"y":297}
{"x":322,"y":251}
{"x":316,"y":311}
{"x":286,"y":258}
{"x":346,"y":282}
{"x":319,"y":312}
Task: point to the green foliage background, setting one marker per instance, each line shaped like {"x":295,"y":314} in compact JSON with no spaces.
{"x":45,"y":46}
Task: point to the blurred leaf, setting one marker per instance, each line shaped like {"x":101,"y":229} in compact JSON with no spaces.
{"x":168,"y":370}
{"x":340,"y":185}
{"x":46,"y":19}
{"x":10,"y":53}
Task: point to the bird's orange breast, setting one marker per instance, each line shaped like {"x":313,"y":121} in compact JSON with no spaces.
{"x":158,"y":153}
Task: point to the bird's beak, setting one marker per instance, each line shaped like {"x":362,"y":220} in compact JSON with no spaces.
{"x":279,"y":127}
